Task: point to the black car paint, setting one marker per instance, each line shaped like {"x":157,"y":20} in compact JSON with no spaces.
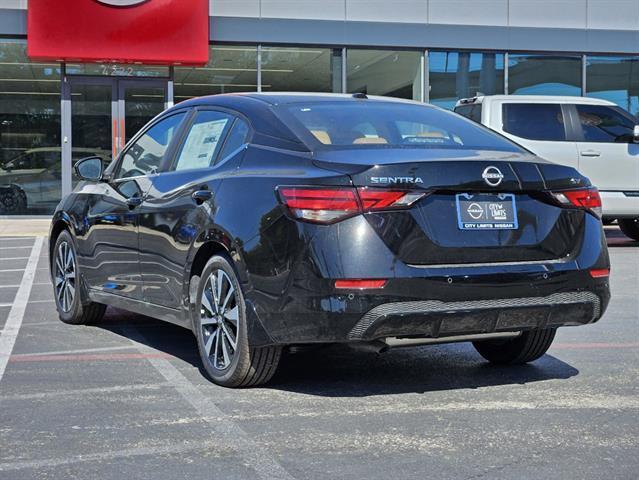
{"x":141,"y":258}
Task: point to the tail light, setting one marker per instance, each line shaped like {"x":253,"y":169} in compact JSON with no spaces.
{"x":600,"y":273}
{"x":587,"y":199}
{"x":360,"y":284}
{"x":331,"y":204}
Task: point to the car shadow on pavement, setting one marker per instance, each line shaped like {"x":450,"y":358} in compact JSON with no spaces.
{"x":340,"y":371}
{"x":616,"y":239}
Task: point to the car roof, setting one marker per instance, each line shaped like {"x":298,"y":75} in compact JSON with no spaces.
{"x":280,"y":98}
{"x":534,"y":99}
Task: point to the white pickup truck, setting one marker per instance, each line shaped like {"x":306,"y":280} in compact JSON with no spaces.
{"x":597,"y":137}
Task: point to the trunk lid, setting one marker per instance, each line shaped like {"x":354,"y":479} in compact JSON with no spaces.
{"x":432,"y":232}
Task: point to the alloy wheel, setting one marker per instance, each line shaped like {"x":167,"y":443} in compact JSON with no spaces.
{"x":219,"y":319}
{"x":65,"y":276}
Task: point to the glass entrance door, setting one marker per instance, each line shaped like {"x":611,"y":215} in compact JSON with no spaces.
{"x":101,"y":114}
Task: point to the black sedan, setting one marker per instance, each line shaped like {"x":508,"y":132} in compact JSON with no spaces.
{"x":263,"y":221}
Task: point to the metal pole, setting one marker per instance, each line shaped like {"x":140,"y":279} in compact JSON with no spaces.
{"x":65,"y":122}
{"x":426,"y":86}
{"x":259,"y":68}
{"x":506,"y":69}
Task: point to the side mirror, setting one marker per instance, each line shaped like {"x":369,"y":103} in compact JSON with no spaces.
{"x":90,"y":168}
{"x":635,"y":134}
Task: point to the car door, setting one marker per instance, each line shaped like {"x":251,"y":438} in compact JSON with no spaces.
{"x":542,"y":128}
{"x":181,"y":200}
{"x":607,"y":152}
{"x":109,"y":252}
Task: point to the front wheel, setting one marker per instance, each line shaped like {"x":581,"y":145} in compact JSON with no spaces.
{"x":72,"y":308}
{"x":630,"y":227}
{"x":527,"y":347}
{"x":221,"y":330}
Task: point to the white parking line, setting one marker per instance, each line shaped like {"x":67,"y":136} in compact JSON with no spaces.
{"x":16,"y":314}
{"x":69,"y":352}
{"x":13,"y":258}
{"x":21,"y":269}
{"x":71,"y":392}
{"x":185,"y":447}
{"x":223,"y":428}
{"x":35,"y":284}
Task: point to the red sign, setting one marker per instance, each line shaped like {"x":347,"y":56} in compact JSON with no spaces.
{"x":166,"y":32}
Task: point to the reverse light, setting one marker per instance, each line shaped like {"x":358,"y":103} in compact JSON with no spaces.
{"x":600,"y":273}
{"x":588,"y":199}
{"x":330,"y":204}
{"x":360,"y":284}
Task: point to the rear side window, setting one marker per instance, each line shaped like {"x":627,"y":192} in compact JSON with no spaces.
{"x":605,"y":124}
{"x":471,"y":111}
{"x":534,"y":121}
{"x":236,"y":138}
{"x":204,"y":140}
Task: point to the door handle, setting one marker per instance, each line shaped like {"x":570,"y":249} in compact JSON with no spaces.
{"x":133,"y":202}
{"x":590,"y":153}
{"x":201,"y":196}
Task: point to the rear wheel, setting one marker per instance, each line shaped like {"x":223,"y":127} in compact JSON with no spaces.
{"x":72,"y":307}
{"x":630,"y":227}
{"x":527,"y":347}
{"x":221,"y":331}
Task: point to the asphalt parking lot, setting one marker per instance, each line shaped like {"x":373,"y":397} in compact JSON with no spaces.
{"x":126,"y":399}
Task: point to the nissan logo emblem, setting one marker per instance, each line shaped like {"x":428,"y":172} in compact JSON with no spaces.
{"x":492,"y":176}
{"x":122,"y":3}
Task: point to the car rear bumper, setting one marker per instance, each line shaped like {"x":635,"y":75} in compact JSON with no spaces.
{"x":300,"y":304}
{"x":475,"y":306}
{"x":436,"y":319}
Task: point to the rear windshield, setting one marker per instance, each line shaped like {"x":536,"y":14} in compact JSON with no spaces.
{"x":472,"y":111}
{"x":365,"y":124}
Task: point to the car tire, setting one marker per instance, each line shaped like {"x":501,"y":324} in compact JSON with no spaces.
{"x":527,"y":347}
{"x":72,"y":307}
{"x":630,"y":227}
{"x":13,"y":201}
{"x":221,"y":330}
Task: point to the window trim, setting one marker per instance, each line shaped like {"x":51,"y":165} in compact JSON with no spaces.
{"x":167,"y":154}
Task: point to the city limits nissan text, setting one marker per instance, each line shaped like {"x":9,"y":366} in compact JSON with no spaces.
{"x":265,"y":221}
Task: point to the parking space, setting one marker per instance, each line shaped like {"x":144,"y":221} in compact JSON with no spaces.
{"x":126,"y":398}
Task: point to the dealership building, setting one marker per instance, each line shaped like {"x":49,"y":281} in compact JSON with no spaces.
{"x":80,"y":77}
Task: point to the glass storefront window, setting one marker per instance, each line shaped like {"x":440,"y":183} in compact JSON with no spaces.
{"x":301,"y":69}
{"x":385,"y":72}
{"x":615,"y":79}
{"x":230,"y":69}
{"x":544,"y":75}
{"x":30,"y":153}
{"x":455,"y":75}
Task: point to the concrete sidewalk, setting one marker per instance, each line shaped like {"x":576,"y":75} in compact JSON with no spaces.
{"x":24,"y":227}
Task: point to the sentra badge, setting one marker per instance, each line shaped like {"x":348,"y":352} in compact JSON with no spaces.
{"x":395,"y":180}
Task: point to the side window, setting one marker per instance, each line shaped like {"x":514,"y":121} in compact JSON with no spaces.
{"x":236,"y":138}
{"x":145,"y":155}
{"x":534,"y":121}
{"x":604,"y":124}
{"x":202,"y":145}
{"x":471,"y":111}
